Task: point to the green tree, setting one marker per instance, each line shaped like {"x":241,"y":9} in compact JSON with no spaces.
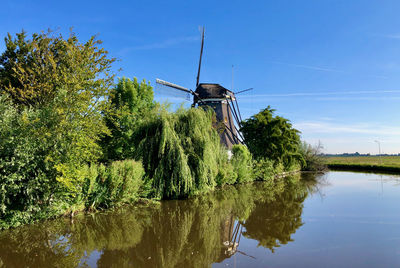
{"x":52,"y":93}
{"x":33,"y":71}
{"x":272,"y":137}
{"x":131,"y":103}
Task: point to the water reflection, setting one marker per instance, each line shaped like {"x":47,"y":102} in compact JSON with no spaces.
{"x":179,"y":233}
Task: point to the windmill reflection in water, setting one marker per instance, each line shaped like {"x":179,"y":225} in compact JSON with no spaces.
{"x":232,"y":237}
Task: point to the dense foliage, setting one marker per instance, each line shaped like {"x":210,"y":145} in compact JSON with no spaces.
{"x":59,"y":86}
{"x":52,"y":93}
{"x":272,"y":137}
{"x":131,"y":103}
{"x":119,"y":182}
{"x":182,"y":153}
{"x":32,"y":187}
{"x":242,"y":162}
{"x":33,"y":71}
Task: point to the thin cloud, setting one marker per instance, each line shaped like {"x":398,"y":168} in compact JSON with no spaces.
{"x":333,"y":95}
{"x":160,"y":45}
{"x":331,"y":128}
{"x":391,"y":36}
{"x":323,"y":69}
{"x":391,"y":98}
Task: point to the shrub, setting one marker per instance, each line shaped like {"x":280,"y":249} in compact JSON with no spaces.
{"x":312,"y":157}
{"x":226,"y":174}
{"x":264,"y":169}
{"x":118,"y":183}
{"x":28,"y":182}
{"x":242,"y":163}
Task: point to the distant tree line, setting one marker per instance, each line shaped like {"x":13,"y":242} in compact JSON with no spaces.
{"x":358,"y":154}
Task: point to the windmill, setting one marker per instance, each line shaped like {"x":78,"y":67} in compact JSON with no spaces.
{"x":220,"y":99}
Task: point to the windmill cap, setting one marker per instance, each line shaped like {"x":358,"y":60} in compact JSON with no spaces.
{"x":207,"y":91}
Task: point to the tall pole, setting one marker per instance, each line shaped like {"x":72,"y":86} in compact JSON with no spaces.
{"x":379,"y":147}
{"x":232,"y":80}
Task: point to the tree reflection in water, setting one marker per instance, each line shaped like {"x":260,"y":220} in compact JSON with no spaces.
{"x":179,"y":233}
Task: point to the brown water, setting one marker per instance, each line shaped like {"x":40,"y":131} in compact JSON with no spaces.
{"x":341,"y":219}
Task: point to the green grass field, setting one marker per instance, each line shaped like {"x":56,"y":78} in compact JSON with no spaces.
{"x":368,"y":163}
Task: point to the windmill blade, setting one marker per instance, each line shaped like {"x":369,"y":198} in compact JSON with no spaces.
{"x":168,"y":84}
{"x":201,"y":55}
{"x":172,"y":92}
{"x":245,"y":254}
{"x":243,"y":90}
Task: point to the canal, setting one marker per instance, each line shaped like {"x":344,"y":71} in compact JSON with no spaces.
{"x":339,"y":219}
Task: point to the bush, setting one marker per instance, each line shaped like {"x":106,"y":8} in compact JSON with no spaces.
{"x":264,"y":169}
{"x":226,"y":174}
{"x":32,"y":186}
{"x":118,"y":183}
{"x":27,"y":174}
{"x":312,"y":157}
{"x":242,"y":163}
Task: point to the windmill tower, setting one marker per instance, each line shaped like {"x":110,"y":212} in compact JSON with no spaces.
{"x":220,"y":99}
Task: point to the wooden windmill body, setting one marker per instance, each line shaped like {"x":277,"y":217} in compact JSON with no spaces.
{"x":218,"y":97}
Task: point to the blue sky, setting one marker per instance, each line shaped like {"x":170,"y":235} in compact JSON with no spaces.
{"x":331,"y":67}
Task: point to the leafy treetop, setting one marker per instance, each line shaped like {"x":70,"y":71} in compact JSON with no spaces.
{"x":272,"y":137}
{"x":131,"y":103}
{"x":32,"y":71}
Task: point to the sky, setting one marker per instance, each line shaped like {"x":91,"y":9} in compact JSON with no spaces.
{"x":331,"y":67}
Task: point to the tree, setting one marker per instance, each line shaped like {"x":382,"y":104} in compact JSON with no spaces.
{"x":182,"y":154}
{"x":52,"y":92}
{"x":272,"y":137}
{"x":33,"y":71}
{"x":131,"y":102}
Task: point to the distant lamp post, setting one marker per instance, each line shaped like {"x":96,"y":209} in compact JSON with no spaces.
{"x":379,"y":147}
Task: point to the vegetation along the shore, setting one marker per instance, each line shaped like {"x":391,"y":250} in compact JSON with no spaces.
{"x":73,"y":140}
{"x":364,"y":163}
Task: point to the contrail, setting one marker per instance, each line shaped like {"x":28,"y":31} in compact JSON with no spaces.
{"x":308,"y":67}
{"x":299,"y":94}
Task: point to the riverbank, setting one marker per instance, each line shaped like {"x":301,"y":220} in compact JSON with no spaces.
{"x":382,"y":164}
{"x":191,"y":232}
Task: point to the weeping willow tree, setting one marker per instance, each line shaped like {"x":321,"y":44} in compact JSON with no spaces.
{"x":182,"y":154}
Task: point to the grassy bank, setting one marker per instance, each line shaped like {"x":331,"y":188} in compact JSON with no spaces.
{"x":365,"y":163}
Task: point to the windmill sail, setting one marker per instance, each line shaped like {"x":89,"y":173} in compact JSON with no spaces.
{"x":201,"y":55}
{"x":172,"y":92}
